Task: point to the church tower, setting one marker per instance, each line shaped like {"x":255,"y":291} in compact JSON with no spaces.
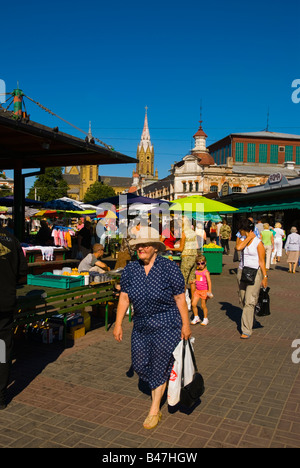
{"x":80,"y":178}
{"x":145,"y":154}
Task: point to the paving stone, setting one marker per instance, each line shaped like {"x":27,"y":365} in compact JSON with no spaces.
{"x":86,"y":396}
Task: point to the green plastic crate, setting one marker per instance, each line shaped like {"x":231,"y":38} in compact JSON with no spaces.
{"x":56,"y":281}
{"x":214,"y":258}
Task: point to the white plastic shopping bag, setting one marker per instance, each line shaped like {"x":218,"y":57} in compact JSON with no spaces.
{"x":174,"y":385}
{"x":188,"y":300}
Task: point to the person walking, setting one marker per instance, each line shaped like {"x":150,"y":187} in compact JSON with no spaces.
{"x":213,"y":232}
{"x":268,"y":241}
{"x":225,"y":236}
{"x":13,"y":265}
{"x":278,"y":242}
{"x":201,"y":291}
{"x":252,"y":256}
{"x":156,"y":288}
{"x":292,"y":248}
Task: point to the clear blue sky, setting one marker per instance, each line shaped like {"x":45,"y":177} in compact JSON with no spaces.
{"x":105,"y":61}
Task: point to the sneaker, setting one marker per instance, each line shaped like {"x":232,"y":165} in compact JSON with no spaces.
{"x":195,"y":320}
{"x":205,"y":322}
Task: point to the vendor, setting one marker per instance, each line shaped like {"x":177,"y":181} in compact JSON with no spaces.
{"x":169,"y":239}
{"x":44,"y":236}
{"x":92,"y":261}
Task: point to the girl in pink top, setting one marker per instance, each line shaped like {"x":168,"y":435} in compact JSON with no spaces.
{"x":201,"y":288}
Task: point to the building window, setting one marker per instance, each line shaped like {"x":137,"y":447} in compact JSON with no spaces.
{"x":91,"y":172}
{"x":298,"y":155}
{"x":197,"y":184}
{"x":184,"y":186}
{"x":213,"y":188}
{"x":236,"y":189}
{"x":274,"y":154}
{"x":263,"y":148}
{"x":239,"y":152}
{"x":191,"y":186}
{"x":288,"y":153}
{"x":251,"y":152}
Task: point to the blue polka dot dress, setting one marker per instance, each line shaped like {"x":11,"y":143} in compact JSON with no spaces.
{"x":157,"y":321}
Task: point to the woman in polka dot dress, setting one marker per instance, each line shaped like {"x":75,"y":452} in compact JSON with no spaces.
{"x":155,"y":286}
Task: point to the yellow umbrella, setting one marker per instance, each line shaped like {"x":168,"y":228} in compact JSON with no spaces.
{"x":198,"y":204}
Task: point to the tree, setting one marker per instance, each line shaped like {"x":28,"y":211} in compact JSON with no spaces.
{"x":97,"y":191}
{"x":49,"y":186}
{"x":5,"y":191}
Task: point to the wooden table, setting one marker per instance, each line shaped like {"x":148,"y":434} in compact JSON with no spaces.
{"x":38,"y":303}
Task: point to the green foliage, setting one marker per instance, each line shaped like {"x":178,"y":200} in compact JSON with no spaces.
{"x":49,"y":186}
{"x":97,"y":191}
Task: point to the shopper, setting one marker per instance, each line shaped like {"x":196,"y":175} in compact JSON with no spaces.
{"x":253,"y":256}
{"x":268,"y":241}
{"x":278,"y":242}
{"x":201,"y":235}
{"x":168,"y":237}
{"x":202,"y":290}
{"x":292,"y":248}
{"x":84,"y":237}
{"x":155,"y":287}
{"x":13,"y":265}
{"x":188,"y":249}
{"x":225,"y":236}
{"x":213,"y":232}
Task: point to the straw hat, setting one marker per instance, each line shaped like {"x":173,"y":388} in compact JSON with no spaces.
{"x":148,"y":235}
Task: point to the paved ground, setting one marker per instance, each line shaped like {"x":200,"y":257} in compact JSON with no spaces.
{"x":87,"y":396}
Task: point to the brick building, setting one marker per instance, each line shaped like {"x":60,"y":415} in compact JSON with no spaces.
{"x":263,"y":148}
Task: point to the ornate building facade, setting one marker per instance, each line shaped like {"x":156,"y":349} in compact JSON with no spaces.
{"x":199,"y":173}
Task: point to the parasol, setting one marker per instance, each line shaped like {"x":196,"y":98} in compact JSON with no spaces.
{"x":199,"y":204}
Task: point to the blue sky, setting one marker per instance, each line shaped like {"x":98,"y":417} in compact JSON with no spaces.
{"x":105,"y":61}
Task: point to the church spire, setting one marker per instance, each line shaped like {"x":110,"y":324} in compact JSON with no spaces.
{"x":145,"y":151}
{"x":145,"y":138}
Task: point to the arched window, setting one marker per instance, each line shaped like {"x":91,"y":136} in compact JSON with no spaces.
{"x":213,"y":188}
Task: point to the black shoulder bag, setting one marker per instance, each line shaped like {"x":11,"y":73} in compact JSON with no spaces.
{"x":190,"y":393}
{"x":248,"y":275}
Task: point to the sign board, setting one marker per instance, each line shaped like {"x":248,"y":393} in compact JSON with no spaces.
{"x":275,"y":178}
{"x":225,"y":189}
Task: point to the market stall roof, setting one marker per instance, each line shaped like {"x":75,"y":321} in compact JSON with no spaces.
{"x":26,"y":144}
{"x":286,"y":205}
{"x":130,"y":198}
{"x":9,"y":201}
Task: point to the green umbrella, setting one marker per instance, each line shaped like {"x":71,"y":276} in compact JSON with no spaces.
{"x":198,"y":204}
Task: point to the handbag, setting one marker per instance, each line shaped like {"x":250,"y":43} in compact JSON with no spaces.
{"x":248,"y":275}
{"x":262,"y":307}
{"x":190,"y":393}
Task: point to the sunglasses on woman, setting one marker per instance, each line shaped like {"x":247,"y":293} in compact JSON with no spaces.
{"x":201,"y":263}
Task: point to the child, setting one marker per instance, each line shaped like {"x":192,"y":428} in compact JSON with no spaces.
{"x":201,"y":290}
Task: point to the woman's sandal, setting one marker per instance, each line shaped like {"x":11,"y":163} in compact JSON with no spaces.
{"x":152,"y":420}
{"x":245,"y":337}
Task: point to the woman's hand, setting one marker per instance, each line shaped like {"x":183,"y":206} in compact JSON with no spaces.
{"x":264,"y":283}
{"x":186,"y":332}
{"x":118,"y":332}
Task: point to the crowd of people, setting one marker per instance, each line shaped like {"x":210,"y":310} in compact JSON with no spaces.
{"x":157,"y":289}
{"x":161,"y":293}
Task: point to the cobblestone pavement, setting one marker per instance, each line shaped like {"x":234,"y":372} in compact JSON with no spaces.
{"x":87,"y":396}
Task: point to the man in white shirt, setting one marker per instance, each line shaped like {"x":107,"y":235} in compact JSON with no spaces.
{"x":92,"y":261}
